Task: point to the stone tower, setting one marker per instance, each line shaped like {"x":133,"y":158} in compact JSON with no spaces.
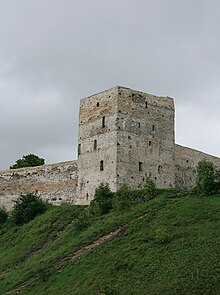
{"x":125,"y":135}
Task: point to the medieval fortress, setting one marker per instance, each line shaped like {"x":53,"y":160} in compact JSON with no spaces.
{"x":124,"y":135}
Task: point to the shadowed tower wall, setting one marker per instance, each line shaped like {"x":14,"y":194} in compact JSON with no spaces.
{"x":124,"y":135}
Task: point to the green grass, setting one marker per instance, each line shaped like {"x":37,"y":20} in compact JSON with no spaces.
{"x":169,"y":246}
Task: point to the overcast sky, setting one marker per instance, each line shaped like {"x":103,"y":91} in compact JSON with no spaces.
{"x":55,"y":52}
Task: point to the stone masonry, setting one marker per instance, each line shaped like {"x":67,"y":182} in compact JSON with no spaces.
{"x":55,"y":183}
{"x":124,"y":135}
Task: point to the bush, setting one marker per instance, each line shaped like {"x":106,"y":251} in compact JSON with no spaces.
{"x":122,"y":199}
{"x":102,"y":203}
{"x":149,"y":188}
{"x":27,"y":207}
{"x":3,"y":215}
{"x":205,"y":178}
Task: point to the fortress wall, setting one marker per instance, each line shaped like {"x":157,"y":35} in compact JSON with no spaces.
{"x":186,"y":162}
{"x":55,"y":183}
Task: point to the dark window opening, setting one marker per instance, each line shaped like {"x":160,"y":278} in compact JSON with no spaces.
{"x":101,"y":166}
{"x":159,"y":169}
{"x":149,"y":142}
{"x":103,"y":122}
{"x":119,"y":111}
{"x":95,"y":145}
{"x":143,"y":179}
{"x":79,"y":149}
{"x":119,"y":93}
{"x":155,"y":178}
{"x":153,"y":127}
{"x":145,"y":104}
{"x":87,"y":197}
{"x":139,"y":125}
{"x":132,"y":177}
{"x":140,"y":166}
{"x":118,"y":143}
{"x":130,"y":146}
{"x":97,"y":104}
{"x":129,"y":137}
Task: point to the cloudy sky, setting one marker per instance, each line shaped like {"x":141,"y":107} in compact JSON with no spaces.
{"x":55,"y":52}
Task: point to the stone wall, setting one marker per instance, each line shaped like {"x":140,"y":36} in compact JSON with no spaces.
{"x":186,"y":160}
{"x":55,"y":183}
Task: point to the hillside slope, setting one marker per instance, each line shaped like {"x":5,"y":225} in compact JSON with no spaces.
{"x":168,"y":245}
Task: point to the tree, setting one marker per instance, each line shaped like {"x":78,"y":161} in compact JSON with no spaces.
{"x":28,"y":161}
{"x":102,"y":203}
{"x":205,"y":178}
{"x":27,"y":207}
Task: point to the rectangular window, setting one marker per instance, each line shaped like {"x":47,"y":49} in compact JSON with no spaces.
{"x":149,"y":143}
{"x":153,"y":127}
{"x":140,"y":166}
{"x":95,"y":145}
{"x":103,"y":122}
{"x":101,"y":166}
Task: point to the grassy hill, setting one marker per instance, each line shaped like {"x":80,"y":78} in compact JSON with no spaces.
{"x":169,"y":245}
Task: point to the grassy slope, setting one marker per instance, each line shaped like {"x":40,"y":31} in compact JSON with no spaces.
{"x":174,"y":248}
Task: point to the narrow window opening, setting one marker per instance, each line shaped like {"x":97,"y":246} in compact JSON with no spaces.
{"x":153,"y":127}
{"x":103,"y":122}
{"x":79,"y":149}
{"x":95,"y":145}
{"x":139,"y":125}
{"x":97,"y":104}
{"x":145,"y":104}
{"x":101,"y":166}
{"x":129,"y":137}
{"x":149,"y":142}
{"x":87,"y":197}
{"x":140,"y":166}
{"x":119,"y":93}
{"x":119,"y":111}
{"x":159,"y":169}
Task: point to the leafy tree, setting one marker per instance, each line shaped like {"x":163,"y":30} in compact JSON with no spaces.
{"x":205,"y":178}
{"x":27,"y":207}
{"x":3,"y":215}
{"x":149,"y":188}
{"x":102,"y":202}
{"x":28,"y":161}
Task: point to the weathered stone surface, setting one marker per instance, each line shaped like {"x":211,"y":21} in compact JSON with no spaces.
{"x":55,"y":183}
{"x":186,"y":160}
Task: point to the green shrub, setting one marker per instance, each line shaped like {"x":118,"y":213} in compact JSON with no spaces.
{"x":102,"y":203}
{"x":149,"y":188}
{"x":3,"y":215}
{"x":123,"y":199}
{"x":27,"y":207}
{"x":205,"y":178}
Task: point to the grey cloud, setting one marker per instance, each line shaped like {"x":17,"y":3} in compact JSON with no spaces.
{"x":54,"y":52}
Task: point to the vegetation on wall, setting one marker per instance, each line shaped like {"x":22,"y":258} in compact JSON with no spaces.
{"x":28,"y":161}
